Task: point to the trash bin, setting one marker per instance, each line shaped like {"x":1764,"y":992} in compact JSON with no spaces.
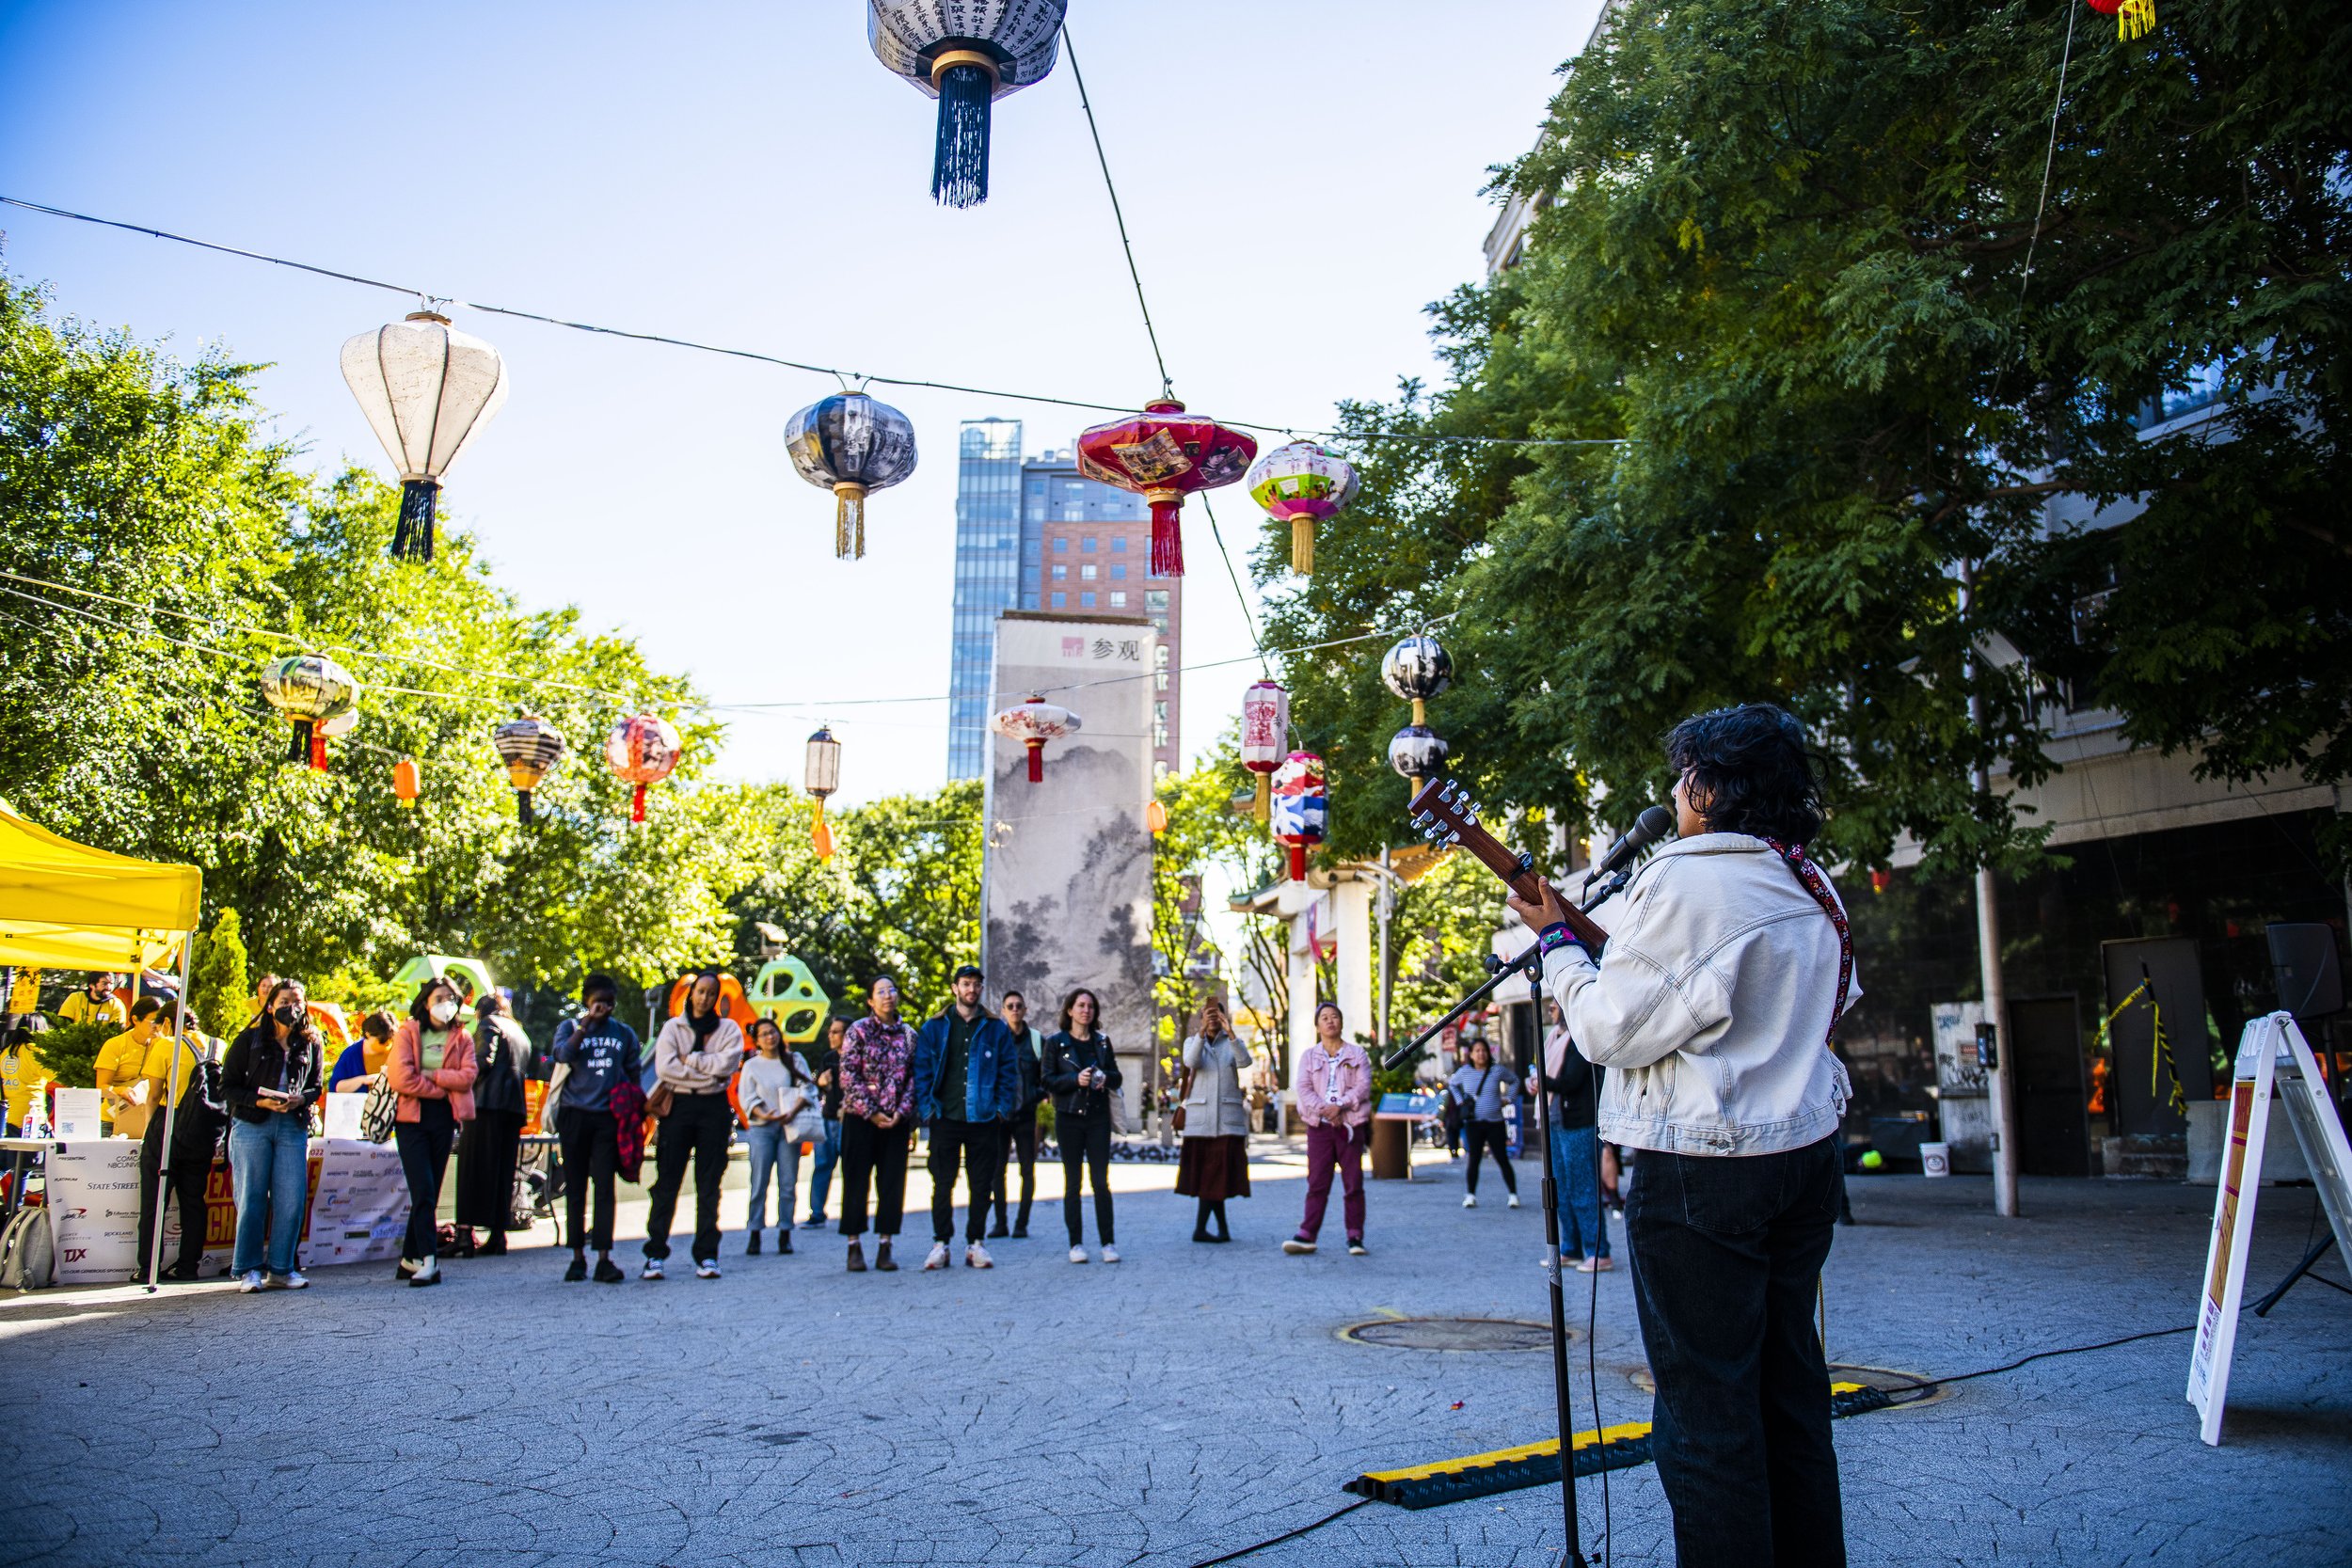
{"x":1391,"y":1150}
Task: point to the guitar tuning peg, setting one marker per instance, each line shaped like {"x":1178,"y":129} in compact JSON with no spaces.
{"x":1457,"y":838}
{"x":1470,"y":819}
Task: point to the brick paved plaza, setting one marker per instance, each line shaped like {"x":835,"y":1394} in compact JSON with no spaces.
{"x":1175,"y":1407}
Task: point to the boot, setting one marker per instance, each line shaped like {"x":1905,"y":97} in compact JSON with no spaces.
{"x":1020,"y":1225}
{"x":783,"y":1243}
{"x":857,"y":1256}
{"x":751,"y":1243}
{"x":883,"y":1259}
{"x":493,"y":1245}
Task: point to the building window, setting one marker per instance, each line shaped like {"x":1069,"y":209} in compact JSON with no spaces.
{"x":1159,"y":680}
{"x":1119,"y":599}
{"x":1159,"y":624}
{"x":1028,"y":601}
{"x":1088,"y":571}
{"x":1155,"y":599}
{"x":1119,"y":569}
{"x":1060,"y":600}
{"x":1087,"y":543}
{"x":1061,"y":544}
{"x":1118,"y":545}
{"x":1085,"y":601}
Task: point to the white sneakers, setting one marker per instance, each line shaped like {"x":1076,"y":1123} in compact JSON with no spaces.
{"x":1299,"y":1246}
{"x":428,"y":1271}
{"x":652,"y":1269}
{"x":1077,"y":1255}
{"x":1357,"y":1249}
{"x":706,"y":1268}
{"x":1110,"y":1253}
{"x":1514,"y":1203}
{"x":1470,"y":1201}
{"x":938,"y":1258}
{"x":975,"y":1257}
{"x":250,"y":1281}
{"x":1595,"y":1265}
{"x":293,"y":1280}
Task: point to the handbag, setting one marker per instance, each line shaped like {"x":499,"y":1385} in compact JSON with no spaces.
{"x":657,"y":1103}
{"x":381,"y":1113}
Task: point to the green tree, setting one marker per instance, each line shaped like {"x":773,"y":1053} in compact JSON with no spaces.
{"x":1785,"y":268}
{"x":220,"y":988}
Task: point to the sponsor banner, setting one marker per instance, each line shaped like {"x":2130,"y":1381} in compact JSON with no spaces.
{"x":356,"y":1208}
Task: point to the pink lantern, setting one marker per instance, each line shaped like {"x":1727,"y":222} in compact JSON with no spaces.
{"x":1033,"y":723}
{"x":1302,"y":808}
{"x":1265,"y":734}
{"x":641,"y":750}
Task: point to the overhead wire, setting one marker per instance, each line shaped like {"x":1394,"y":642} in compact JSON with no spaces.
{"x":844,"y":377}
{"x":1167,"y":387}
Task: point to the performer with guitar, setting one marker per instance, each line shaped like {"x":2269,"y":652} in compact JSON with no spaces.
{"x":1712,"y":1005}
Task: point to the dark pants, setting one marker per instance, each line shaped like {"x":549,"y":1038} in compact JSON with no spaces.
{"x":696,"y":1130}
{"x":423,"y":1146}
{"x":874,"y":1157}
{"x":1086,"y":1139}
{"x":592,"y":1156}
{"x":487,"y":1148}
{"x":1019,"y":1138}
{"x":1337,"y":1148}
{"x":1495,"y":1135}
{"x":1726,"y":1262}
{"x":980,"y":1147}
{"x":187,"y":1196}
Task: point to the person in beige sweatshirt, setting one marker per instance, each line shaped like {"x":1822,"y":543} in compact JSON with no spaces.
{"x":693,"y":1058}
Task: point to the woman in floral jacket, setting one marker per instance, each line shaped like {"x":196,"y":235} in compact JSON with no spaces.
{"x":877,"y":1123}
{"x":1333,"y":1089}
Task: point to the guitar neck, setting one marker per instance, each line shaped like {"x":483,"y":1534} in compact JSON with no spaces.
{"x":1525,"y":881}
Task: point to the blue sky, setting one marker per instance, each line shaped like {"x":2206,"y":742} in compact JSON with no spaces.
{"x":1299,"y":177}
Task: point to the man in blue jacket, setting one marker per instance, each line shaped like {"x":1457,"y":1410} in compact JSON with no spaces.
{"x":967,"y":1084}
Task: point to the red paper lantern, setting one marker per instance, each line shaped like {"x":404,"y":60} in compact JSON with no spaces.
{"x":641,"y":750}
{"x":1033,"y":723}
{"x":1162,"y":453}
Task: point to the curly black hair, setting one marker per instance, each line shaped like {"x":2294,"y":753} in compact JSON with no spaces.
{"x":1749,"y":770}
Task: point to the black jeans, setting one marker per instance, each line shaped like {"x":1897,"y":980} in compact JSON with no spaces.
{"x":1495,"y":1135}
{"x":697,"y":1129}
{"x":874,"y":1157}
{"x":1086,"y":1139}
{"x":592,"y":1157}
{"x":423,"y":1146}
{"x":1727,"y":1255}
{"x":980,"y":1145}
{"x":187,"y":1196}
{"x":1019,"y":1138}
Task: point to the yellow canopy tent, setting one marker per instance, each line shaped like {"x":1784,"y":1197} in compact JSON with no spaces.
{"x":67,"y":906}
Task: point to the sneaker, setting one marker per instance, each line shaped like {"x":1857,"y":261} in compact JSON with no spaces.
{"x":975,"y":1257}
{"x":429,"y":1274}
{"x":938,"y":1258}
{"x":1595,"y":1265}
{"x":706,"y":1268}
{"x":816,"y":1219}
{"x":652,"y":1269}
{"x":751,"y":1245}
{"x":1020,"y":1232}
{"x":275,"y":1282}
{"x":857,"y":1256}
{"x":1299,"y":1246}
{"x":1077,"y":1255}
{"x":1355,"y":1248}
{"x":997,"y":1233}
{"x":578,"y":1272}
{"x":1110,"y":1253}
{"x":609,"y":1272}
{"x":1514,"y":1201}
{"x":884,"y":1262}
{"x":405,"y":1267}
{"x":250,"y":1282}
{"x":1470,"y":1201}
{"x":293,"y":1281}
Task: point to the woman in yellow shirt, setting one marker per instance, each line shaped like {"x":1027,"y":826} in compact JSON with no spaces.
{"x":122,"y":1065}
{"x":22,"y":1074}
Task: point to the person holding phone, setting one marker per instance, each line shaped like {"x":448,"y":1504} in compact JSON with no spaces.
{"x":596,"y":1052}
{"x":1214,"y":1118}
{"x":828,"y":1151}
{"x":1083,"y":1074}
{"x":774,"y":1089}
{"x":272,"y":1077}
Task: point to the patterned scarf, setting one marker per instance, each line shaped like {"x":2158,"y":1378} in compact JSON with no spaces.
{"x":1815,"y":884}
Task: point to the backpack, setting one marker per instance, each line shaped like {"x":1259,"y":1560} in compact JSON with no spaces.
{"x":197,"y":1126}
{"x":29,"y":1250}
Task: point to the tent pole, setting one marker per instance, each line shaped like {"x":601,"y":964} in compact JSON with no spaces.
{"x":172,"y":1111}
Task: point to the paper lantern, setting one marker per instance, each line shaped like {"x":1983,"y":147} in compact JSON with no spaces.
{"x":1418,"y":669}
{"x":820,"y":774}
{"x":407,"y":782}
{"x":852,"y":445}
{"x":1417,"y":751}
{"x":2132,"y":17}
{"x":1304,"y":485}
{"x":966,"y":53}
{"x":641,"y":750}
{"x":1302,"y":808}
{"x":1162,"y":453}
{"x":1156,"y":817}
{"x":1033,"y":723}
{"x":531,"y":748}
{"x":427,"y":391}
{"x":1265,"y":734}
{"x":311,"y":692}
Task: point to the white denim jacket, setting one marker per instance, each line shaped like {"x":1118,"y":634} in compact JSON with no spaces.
{"x":1711,"y":1005}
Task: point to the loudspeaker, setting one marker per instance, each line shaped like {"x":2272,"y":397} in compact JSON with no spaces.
{"x":2303,"y":962}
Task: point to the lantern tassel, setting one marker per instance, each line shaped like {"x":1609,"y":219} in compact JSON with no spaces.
{"x":1263,"y":807}
{"x":959,"y":159}
{"x":1298,"y":863}
{"x":2133,"y":18}
{"x":522,"y":807}
{"x":637,"y":806}
{"x":848,"y":521}
{"x":1167,"y":539}
{"x":821,"y":836}
{"x":1303,"y":546}
{"x":300,"y":750}
{"x":318,"y":750}
{"x":1037,"y":762}
{"x":413,"y":539}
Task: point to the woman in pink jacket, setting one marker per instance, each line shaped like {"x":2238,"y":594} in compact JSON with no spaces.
{"x":431,"y":1068}
{"x":1333,"y":1090}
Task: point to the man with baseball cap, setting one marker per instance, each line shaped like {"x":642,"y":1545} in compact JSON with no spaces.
{"x":967,"y":1084}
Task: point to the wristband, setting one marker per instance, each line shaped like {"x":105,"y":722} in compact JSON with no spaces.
{"x":1554,"y":937}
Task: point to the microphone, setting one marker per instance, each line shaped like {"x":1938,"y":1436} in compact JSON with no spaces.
{"x":1655,"y":823}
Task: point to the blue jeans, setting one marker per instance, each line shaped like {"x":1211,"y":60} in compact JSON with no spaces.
{"x":772,"y":1149}
{"x":1576,"y":1165}
{"x":1727,"y":1253}
{"x":271,"y":1165}
{"x":820,"y":1170}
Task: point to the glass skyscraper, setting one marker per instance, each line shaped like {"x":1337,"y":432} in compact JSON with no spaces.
{"x":1033,"y":535}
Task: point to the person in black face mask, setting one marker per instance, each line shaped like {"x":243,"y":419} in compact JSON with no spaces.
{"x":272,"y":1078}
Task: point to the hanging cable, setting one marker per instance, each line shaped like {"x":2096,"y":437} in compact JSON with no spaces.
{"x":1167,"y":388}
{"x":773,"y":360}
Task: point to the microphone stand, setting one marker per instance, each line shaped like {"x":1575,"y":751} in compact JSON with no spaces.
{"x":1531,"y":963}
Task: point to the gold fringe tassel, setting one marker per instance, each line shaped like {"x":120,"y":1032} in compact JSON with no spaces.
{"x":849,"y":522}
{"x":1264,"y":807}
{"x":2134,"y":18}
{"x":1303,"y":546}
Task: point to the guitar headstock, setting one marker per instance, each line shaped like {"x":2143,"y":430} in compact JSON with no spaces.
{"x":1447,"y":815}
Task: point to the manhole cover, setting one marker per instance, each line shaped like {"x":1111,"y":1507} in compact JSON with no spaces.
{"x":1452,"y":1334}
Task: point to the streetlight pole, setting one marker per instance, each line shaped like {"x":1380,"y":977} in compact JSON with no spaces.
{"x":1989,"y":941}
